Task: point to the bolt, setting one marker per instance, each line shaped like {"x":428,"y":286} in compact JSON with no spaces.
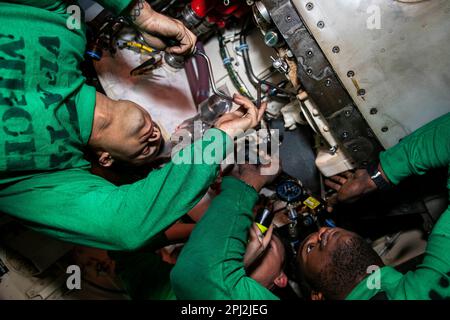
{"x":347,"y":113}
{"x":361,"y":92}
{"x":288,"y":18}
{"x":320,"y":24}
{"x":384,"y":129}
{"x":309,"y":6}
{"x":328,"y":82}
{"x":309,"y":71}
{"x":373,"y":111}
{"x":355,"y":149}
{"x":350,"y":74}
{"x":336,"y":49}
{"x":326,"y":129}
{"x":345,"y":134}
{"x":309,"y":53}
{"x":315,"y":112}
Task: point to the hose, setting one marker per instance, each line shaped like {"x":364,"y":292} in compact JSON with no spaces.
{"x":237,"y":82}
{"x":243,"y":47}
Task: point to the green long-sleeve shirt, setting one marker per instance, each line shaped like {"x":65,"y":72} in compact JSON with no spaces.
{"x":46,"y":108}
{"x":211,"y":265}
{"x":425,"y":149}
{"x":46,"y":114}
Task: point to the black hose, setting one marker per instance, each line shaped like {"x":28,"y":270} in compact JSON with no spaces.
{"x":243,"y":46}
{"x":238,"y":84}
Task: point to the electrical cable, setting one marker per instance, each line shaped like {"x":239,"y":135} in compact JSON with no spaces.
{"x":226,"y":59}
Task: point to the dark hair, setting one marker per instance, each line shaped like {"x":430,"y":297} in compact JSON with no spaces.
{"x":348,"y":265}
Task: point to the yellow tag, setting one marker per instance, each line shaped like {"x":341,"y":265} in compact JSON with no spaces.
{"x":311,"y":202}
{"x":262,"y":228}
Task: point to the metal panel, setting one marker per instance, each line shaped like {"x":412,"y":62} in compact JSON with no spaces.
{"x":317,"y":77}
{"x":403,"y":67}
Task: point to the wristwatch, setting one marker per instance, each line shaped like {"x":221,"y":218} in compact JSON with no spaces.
{"x":377,"y":177}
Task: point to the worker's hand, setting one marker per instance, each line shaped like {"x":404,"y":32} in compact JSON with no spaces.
{"x":153,"y":24}
{"x":246,"y":117}
{"x":350,"y":186}
{"x":257,"y":244}
{"x":252,"y":174}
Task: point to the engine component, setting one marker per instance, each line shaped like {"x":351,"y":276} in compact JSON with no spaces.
{"x":280,"y":65}
{"x":174,"y":60}
{"x":201,"y":16}
{"x":261,"y":16}
{"x":289,"y":191}
{"x":272,"y":39}
{"x":319,"y":80}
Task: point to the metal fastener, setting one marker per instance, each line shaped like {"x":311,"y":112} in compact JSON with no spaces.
{"x":350,"y":74}
{"x":361,"y":92}
{"x":336,"y":49}
{"x":373,"y":111}
{"x":309,"y":6}
{"x":320,"y":24}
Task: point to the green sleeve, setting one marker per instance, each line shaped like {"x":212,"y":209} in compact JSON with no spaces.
{"x":211,"y":263}
{"x":82,"y":208}
{"x":427,"y":148}
{"x":116,"y":6}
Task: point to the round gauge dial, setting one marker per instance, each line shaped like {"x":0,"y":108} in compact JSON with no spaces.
{"x":289,"y":191}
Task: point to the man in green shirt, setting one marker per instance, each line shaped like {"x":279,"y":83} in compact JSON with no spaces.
{"x":48,"y":115}
{"x":336,"y":263}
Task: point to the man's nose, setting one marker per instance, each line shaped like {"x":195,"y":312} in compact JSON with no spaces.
{"x":322,"y":231}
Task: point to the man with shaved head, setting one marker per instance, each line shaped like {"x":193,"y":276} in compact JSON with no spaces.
{"x":49,"y":117}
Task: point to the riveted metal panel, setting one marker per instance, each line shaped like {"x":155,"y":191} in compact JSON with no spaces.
{"x":403,"y":68}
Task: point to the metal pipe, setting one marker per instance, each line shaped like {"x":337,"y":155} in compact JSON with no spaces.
{"x":211,"y":77}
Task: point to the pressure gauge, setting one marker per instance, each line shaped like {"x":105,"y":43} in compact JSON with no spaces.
{"x":289,"y":191}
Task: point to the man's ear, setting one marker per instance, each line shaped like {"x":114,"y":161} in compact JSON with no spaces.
{"x":317,"y":295}
{"x":105,"y":159}
{"x":281,"y":281}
